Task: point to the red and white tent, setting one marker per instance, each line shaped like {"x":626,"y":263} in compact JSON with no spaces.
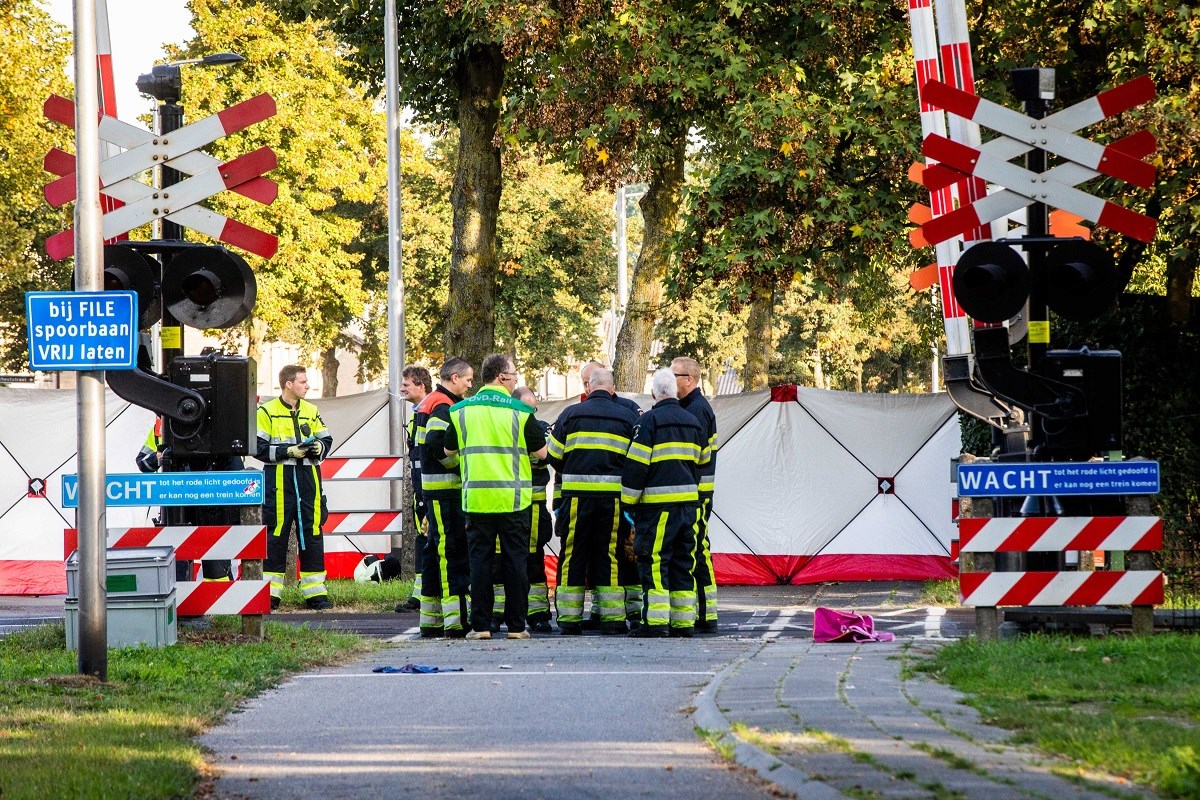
{"x":816,"y":486}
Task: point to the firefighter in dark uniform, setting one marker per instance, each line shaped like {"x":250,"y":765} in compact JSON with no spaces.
{"x":415,"y":384}
{"x":661,"y":483}
{"x":687,"y":379}
{"x":292,"y":442}
{"x":587,"y":447}
{"x":447,"y":570}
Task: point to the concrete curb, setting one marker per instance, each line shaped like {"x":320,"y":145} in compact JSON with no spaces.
{"x":767,"y":766}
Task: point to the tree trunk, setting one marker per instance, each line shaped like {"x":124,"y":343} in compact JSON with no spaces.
{"x":1181,"y":277}
{"x":256,"y":332}
{"x":660,"y":209}
{"x":759,"y":344}
{"x":329,"y":372}
{"x":474,"y":264}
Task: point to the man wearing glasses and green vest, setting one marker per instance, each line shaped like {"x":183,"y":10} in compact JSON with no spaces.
{"x":493,"y":435}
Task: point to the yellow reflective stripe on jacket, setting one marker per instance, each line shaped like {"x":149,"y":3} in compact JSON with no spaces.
{"x":639,"y":452}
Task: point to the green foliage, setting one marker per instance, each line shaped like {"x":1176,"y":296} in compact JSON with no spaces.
{"x":67,"y":735}
{"x":348,"y":595}
{"x":1126,"y":706}
{"x":330,"y":140}
{"x":34,"y":52}
{"x":555,"y":256}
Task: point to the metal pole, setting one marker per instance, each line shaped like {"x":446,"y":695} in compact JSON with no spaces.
{"x":397,"y":409}
{"x":89,"y":277}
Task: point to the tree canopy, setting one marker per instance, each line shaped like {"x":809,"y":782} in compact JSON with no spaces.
{"x":34,"y":52}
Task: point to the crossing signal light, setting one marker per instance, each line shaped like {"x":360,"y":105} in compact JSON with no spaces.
{"x":991,"y":282}
{"x":126,"y":270}
{"x":203,"y":286}
{"x":209,"y":287}
{"x":1081,"y":280}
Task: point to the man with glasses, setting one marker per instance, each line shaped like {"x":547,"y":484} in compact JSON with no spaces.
{"x":493,"y":435}
{"x":687,"y":380}
{"x":446,"y":572}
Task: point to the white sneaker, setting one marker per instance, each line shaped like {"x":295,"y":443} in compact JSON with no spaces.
{"x":518,"y":634}
{"x":479,"y":635}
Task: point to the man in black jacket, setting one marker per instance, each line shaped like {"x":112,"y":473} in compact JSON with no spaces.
{"x":687,"y":380}
{"x":587,"y":448}
{"x":447,"y":570}
{"x":661,"y":483}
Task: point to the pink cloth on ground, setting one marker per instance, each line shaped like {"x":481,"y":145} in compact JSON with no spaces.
{"x":830,"y":625}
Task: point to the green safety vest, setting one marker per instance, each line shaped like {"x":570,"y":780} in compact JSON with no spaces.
{"x":493,"y":457}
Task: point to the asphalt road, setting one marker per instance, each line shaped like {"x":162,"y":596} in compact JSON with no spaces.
{"x":556,"y":717}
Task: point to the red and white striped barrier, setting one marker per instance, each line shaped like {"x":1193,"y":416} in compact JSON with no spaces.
{"x":1055,"y":534}
{"x":362,"y":467}
{"x":347,"y":522}
{"x":933,"y":121}
{"x":989,"y":589}
{"x":191,"y":542}
{"x":201,"y":598}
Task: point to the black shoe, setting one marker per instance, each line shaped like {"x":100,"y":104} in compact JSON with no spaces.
{"x":412,"y":604}
{"x":570,"y":629}
{"x":541,"y":626}
{"x":496,"y":625}
{"x":318,"y":603}
{"x":432,"y":633}
{"x":590,"y":624}
{"x":455,"y":633}
{"x":681,"y":633}
{"x":707,"y":626}
{"x":613,"y":628}
{"x":650,"y":632}
{"x":274,"y":603}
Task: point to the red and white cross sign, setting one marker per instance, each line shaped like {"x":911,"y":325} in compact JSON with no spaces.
{"x":1055,"y":134}
{"x":178,"y":203}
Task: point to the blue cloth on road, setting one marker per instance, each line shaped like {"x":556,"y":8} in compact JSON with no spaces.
{"x":415,"y":669}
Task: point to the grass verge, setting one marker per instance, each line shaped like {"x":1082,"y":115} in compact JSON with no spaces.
{"x":1121,"y":705}
{"x":348,"y":595}
{"x":63,"y":735}
{"x":940,"y":593}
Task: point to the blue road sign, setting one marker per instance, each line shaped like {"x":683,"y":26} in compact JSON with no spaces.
{"x":240,"y":488}
{"x":82,"y":330}
{"x":1020,"y":479}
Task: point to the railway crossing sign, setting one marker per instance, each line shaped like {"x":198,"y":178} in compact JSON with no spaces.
{"x":179,"y":150}
{"x":1054,"y":134}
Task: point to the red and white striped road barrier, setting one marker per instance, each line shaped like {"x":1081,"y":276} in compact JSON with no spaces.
{"x":990,"y":589}
{"x":182,"y":195}
{"x":349,"y":468}
{"x":1038,"y":187}
{"x":933,"y":120}
{"x":1055,"y":534}
{"x":347,"y":522}
{"x":1041,"y":133}
{"x":191,"y":542}
{"x":122,"y":134}
{"x":957,"y":70}
{"x":201,"y":598}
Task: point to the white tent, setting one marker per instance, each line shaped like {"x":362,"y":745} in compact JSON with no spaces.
{"x":816,"y":486}
{"x":811,"y":485}
{"x":38,"y":444}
